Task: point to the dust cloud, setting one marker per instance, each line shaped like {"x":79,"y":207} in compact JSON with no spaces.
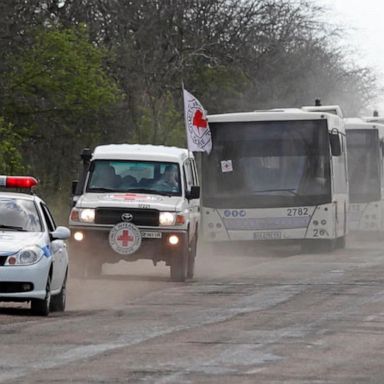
{"x":126,"y":282}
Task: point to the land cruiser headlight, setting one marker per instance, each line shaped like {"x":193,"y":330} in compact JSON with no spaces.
{"x":87,"y":215}
{"x":27,"y":256}
{"x":83,"y":215}
{"x":167,"y":218}
{"x":171,"y":218}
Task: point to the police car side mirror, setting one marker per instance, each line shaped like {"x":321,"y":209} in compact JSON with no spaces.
{"x":194,"y":193}
{"x":60,"y":233}
{"x":334,"y":140}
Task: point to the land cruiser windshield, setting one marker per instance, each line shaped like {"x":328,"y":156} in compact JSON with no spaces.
{"x":267,"y":164}
{"x":153,"y":177}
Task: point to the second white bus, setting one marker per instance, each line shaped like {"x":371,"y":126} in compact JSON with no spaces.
{"x":365,"y":166}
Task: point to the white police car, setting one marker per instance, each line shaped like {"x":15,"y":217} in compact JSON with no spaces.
{"x":33,"y":254}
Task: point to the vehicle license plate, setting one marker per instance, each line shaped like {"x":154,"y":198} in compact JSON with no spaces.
{"x":151,"y":235}
{"x":267,"y":235}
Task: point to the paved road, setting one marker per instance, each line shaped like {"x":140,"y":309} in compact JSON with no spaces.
{"x":251,"y":316}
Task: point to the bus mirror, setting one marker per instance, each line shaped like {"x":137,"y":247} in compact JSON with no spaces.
{"x":382,"y":147}
{"x":334,"y":139}
{"x":194,"y":193}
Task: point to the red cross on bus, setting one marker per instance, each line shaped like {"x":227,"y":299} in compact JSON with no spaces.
{"x":125,"y":238}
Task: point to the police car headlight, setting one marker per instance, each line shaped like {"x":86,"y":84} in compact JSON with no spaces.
{"x":167,"y":218}
{"x":26,"y":256}
{"x":30,"y":256}
{"x":87,"y":215}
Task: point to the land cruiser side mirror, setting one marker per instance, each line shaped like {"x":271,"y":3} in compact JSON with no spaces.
{"x":194,"y":193}
{"x":334,"y":140}
{"x":74,"y":187}
{"x":86,"y":155}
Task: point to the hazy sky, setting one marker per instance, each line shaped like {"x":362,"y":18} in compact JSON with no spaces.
{"x":364,"y":22}
{"x":364,"y":19}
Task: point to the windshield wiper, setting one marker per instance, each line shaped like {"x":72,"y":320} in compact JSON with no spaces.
{"x":101,"y":190}
{"x":292,"y":190}
{"x":12,"y":227}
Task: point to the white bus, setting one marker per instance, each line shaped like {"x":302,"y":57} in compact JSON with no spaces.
{"x":365,"y":168}
{"x":276,"y":175}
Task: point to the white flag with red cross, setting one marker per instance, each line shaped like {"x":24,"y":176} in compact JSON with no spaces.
{"x":196,"y":123}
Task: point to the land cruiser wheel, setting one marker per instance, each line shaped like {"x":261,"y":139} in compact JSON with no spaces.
{"x":179,"y":265}
{"x":77,"y":264}
{"x":85,"y":265}
{"x":58,"y":301}
{"x":41,"y":307}
{"x":93,"y":266}
{"x":191,"y":258}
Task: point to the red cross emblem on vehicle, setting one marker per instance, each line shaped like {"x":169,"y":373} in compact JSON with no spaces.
{"x":125,"y":238}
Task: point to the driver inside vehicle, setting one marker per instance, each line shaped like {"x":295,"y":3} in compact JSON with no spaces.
{"x":104,"y":176}
{"x":169,"y":179}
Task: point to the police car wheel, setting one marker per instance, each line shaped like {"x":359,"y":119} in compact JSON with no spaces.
{"x":58,"y":301}
{"x":41,"y":307}
{"x":191,"y":258}
{"x":179,"y":265}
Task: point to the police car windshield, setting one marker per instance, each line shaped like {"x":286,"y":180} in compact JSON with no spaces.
{"x":19,"y":215}
{"x":151,"y":177}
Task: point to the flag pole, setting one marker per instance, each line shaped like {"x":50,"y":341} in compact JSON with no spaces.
{"x":182,"y":90}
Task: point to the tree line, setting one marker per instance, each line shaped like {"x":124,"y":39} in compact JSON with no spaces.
{"x":77,"y":73}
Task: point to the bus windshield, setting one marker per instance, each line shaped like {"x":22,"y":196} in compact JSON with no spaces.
{"x":267,"y":164}
{"x":363,"y":165}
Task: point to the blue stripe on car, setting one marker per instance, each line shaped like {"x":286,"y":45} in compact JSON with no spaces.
{"x":47,"y":251}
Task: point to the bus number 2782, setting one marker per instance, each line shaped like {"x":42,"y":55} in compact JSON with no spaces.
{"x":297,"y":212}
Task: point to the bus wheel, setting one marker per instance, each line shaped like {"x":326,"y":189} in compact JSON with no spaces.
{"x":328,"y":245}
{"x":310,"y":246}
{"x":340,"y":242}
{"x":318,"y":246}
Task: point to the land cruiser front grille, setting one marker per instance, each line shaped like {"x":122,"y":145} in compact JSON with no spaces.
{"x":145,"y":217}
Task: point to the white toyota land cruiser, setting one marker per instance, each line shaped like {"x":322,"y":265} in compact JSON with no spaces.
{"x":136,"y":202}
